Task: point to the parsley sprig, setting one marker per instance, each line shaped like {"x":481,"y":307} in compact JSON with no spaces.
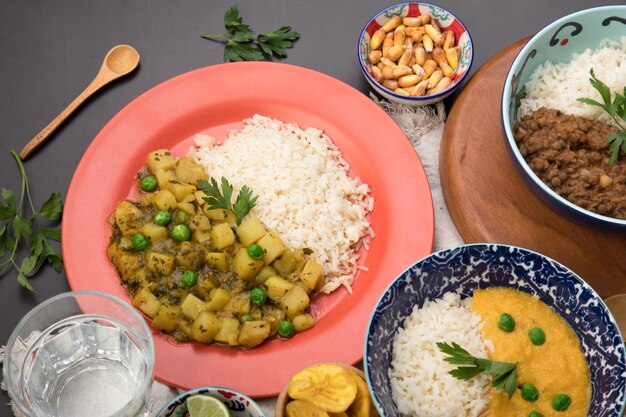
{"x":222,"y":199}
{"x":243,"y":45}
{"x":504,"y":373}
{"x":616,"y":108}
{"x":16,"y":228}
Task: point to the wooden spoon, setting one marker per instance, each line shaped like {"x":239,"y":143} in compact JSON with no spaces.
{"x":119,"y":61}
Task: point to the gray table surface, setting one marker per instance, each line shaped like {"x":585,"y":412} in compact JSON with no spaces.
{"x":51,"y":49}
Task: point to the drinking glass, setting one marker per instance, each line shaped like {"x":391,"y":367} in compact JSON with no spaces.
{"x":81,"y":353}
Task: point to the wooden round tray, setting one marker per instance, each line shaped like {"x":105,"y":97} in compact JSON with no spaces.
{"x":489,"y":202}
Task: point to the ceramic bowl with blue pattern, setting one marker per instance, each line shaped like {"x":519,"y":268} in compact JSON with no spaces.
{"x":467,"y":268}
{"x":557,"y":42}
{"x":240,"y":405}
{"x":446,"y":20}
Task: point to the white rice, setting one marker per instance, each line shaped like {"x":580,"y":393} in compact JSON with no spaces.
{"x":557,"y":86}
{"x":420,"y":382}
{"x":305,"y":193}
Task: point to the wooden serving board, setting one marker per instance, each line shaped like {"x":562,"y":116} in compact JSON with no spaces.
{"x":489,"y":202}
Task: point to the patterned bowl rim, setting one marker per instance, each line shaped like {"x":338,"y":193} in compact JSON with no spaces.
{"x":410,"y":98}
{"x":253,"y":405}
{"x":447,"y":252}
{"x":506,"y":120}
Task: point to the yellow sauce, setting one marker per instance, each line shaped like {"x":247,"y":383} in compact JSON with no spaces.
{"x":556,"y":367}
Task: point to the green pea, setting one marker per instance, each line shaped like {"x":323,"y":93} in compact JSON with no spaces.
{"x":189,"y":278}
{"x":258,"y":296}
{"x":286,"y":329}
{"x":529,"y":392}
{"x":535,"y":414}
{"x":537,"y":336}
{"x":183,"y":216}
{"x":140,"y":242}
{"x":245,"y":318}
{"x":506,"y":322}
{"x":255,"y":251}
{"x":560,"y":402}
{"x":148,"y":183}
{"x":181,"y":232}
{"x":162,"y":217}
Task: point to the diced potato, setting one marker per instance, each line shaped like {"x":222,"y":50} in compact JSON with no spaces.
{"x":112,"y":251}
{"x":128,"y":218}
{"x":165,"y":200}
{"x":250,"y":230}
{"x":160,"y":159}
{"x":239,"y":304}
{"x":145,"y":301}
{"x":265,"y":272}
{"x":160,"y":263}
{"x":253,"y":333}
{"x":312,"y":274}
{"x":164,"y":177}
{"x":201,"y":236}
{"x":154,"y":232}
{"x":273,"y":315}
{"x":128,"y":263}
{"x":192,"y":306}
{"x":277,"y":287}
{"x":244,"y":266}
{"x":200,"y":222}
{"x":204,"y":286}
{"x":222,"y":236}
{"x":181,"y":189}
{"x":217,"y":299}
{"x":205,"y":327}
{"x":295,"y":301}
{"x":218,"y":260}
{"x":167,"y":318}
{"x":303,"y":322}
{"x":146,"y":199}
{"x":188,"y":171}
{"x":214,"y":214}
{"x":286,"y":264}
{"x":184,"y":326}
{"x":141,"y":277}
{"x":187,"y":208}
{"x":273,"y":247}
{"x":229,"y":331}
{"x":189,"y":257}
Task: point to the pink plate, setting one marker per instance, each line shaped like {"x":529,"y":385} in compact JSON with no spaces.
{"x":213,"y":100}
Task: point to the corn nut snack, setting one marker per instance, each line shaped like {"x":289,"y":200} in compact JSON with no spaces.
{"x":413,"y":57}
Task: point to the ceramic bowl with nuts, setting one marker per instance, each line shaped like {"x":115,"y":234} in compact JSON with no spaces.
{"x":415,"y":53}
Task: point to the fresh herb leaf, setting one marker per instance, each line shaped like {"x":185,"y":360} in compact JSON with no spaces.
{"x":7,"y":210}
{"x":616,"y":109}
{"x":52,"y":208}
{"x":222,"y":199}
{"x":23,"y":281}
{"x":243,"y":45}
{"x":51,"y":233}
{"x":21,"y":228}
{"x":504,"y":373}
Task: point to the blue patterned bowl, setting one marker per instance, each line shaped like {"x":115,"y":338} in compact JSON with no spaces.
{"x":446,"y":20}
{"x":557,"y":42}
{"x":467,"y":268}
{"x":240,"y":405}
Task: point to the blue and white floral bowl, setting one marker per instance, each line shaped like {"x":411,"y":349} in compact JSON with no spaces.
{"x":240,"y":405}
{"x":467,"y":268}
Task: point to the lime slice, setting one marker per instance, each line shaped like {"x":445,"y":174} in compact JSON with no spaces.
{"x":206,"y":406}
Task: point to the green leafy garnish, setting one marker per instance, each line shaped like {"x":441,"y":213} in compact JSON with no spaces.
{"x":504,"y":373}
{"x":16,"y":228}
{"x":616,"y":108}
{"x":217,"y":199}
{"x":243,"y":45}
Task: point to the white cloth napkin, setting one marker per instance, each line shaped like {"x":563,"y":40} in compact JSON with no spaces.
{"x":424,"y":127}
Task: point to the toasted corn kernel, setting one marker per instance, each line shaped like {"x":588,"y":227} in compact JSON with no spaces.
{"x":392,"y":23}
{"x":395,"y":52}
{"x":420,"y":88}
{"x":391,"y":84}
{"x":377,"y":74}
{"x":412,"y":60}
{"x":453,"y":57}
{"x":400,"y":71}
{"x":434,"y":34}
{"x":443,"y":84}
{"x":418,"y":70}
{"x":447,"y":70}
{"x":408,"y":42}
{"x":429,"y":67}
{"x":408,"y":80}
{"x":421,"y":30}
{"x":406,"y":57}
{"x":416,"y":37}
{"x":439,"y":55}
{"x":387,"y":62}
{"x":434,"y":23}
{"x":387,"y":44}
{"x":377,"y":39}
{"x":401,"y":91}
{"x":448,"y":39}
{"x":374,"y":56}
{"x":428,"y":43}
{"x":434,"y":78}
{"x":380,"y":66}
{"x":420,"y":55}
{"x":409,"y":30}
{"x":388,"y":72}
{"x":411,"y":21}
{"x":424,"y":19}
{"x":398,"y":37}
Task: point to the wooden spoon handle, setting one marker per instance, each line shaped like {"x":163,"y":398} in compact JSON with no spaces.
{"x":35,"y":142}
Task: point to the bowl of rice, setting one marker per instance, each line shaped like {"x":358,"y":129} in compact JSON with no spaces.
{"x":561,"y":144}
{"x":433,"y":302}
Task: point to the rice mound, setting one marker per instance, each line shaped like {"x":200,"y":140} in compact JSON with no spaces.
{"x":557,"y":86}
{"x":420,"y":382}
{"x":304,"y":191}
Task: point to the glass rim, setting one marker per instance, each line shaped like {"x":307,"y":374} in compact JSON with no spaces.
{"x":16,"y":397}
